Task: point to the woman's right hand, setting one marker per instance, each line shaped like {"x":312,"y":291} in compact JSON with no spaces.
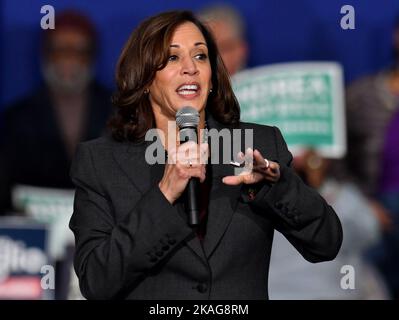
{"x":185,"y":162}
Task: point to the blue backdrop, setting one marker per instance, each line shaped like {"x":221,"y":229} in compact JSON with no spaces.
{"x":278,"y":31}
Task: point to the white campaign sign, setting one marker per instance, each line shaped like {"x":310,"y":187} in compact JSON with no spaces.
{"x":304,"y":100}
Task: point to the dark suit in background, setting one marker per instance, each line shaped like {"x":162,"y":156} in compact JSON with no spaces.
{"x":32,"y":149}
{"x":131,"y":243}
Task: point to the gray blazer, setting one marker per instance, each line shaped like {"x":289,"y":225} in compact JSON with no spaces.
{"x":131,"y":243}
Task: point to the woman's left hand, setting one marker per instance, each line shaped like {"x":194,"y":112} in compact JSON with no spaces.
{"x":256,"y":169}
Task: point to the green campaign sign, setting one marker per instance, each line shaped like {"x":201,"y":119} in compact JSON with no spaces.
{"x":304,"y":100}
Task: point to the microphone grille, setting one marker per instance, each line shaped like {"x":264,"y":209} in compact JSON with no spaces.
{"x":187,"y":117}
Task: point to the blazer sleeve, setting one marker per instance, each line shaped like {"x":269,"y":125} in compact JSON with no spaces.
{"x":111,"y":258}
{"x":299,"y":212}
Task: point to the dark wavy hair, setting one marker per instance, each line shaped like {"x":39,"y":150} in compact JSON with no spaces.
{"x":72,"y":19}
{"x":146,"y":52}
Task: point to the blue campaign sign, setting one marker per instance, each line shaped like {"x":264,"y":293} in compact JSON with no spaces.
{"x":24,"y":260}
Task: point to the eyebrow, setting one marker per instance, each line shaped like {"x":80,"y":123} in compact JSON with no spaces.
{"x":195,"y":44}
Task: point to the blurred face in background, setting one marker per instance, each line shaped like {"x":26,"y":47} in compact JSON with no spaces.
{"x":68,"y":61}
{"x":231,"y":47}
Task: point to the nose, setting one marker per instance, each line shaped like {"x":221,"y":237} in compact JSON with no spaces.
{"x":189,"y":66}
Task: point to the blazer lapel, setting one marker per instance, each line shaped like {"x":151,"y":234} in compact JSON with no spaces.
{"x":131,"y":159}
{"x":222,"y":205}
{"x":223,"y":198}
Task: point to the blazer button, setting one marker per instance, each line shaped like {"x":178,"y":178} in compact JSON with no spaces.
{"x":202,"y":287}
{"x":153,"y":259}
{"x":165,"y":247}
{"x":159,"y":253}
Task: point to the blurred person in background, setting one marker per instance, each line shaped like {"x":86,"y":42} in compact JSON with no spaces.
{"x":293,"y":278}
{"x":388,"y":190}
{"x":388,"y":195}
{"x":40,"y":132}
{"x":371,"y":103}
{"x":228,"y":29}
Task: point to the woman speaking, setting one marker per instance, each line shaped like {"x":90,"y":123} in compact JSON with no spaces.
{"x":133,"y":238}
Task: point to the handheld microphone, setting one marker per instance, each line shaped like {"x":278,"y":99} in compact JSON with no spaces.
{"x":187,"y":120}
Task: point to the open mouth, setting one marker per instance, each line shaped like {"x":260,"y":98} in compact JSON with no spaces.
{"x":188,"y":90}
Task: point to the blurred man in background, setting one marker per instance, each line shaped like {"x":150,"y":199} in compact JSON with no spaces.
{"x":388,"y":195}
{"x":40,"y":132}
{"x":228,"y":28}
{"x":371,"y":104}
